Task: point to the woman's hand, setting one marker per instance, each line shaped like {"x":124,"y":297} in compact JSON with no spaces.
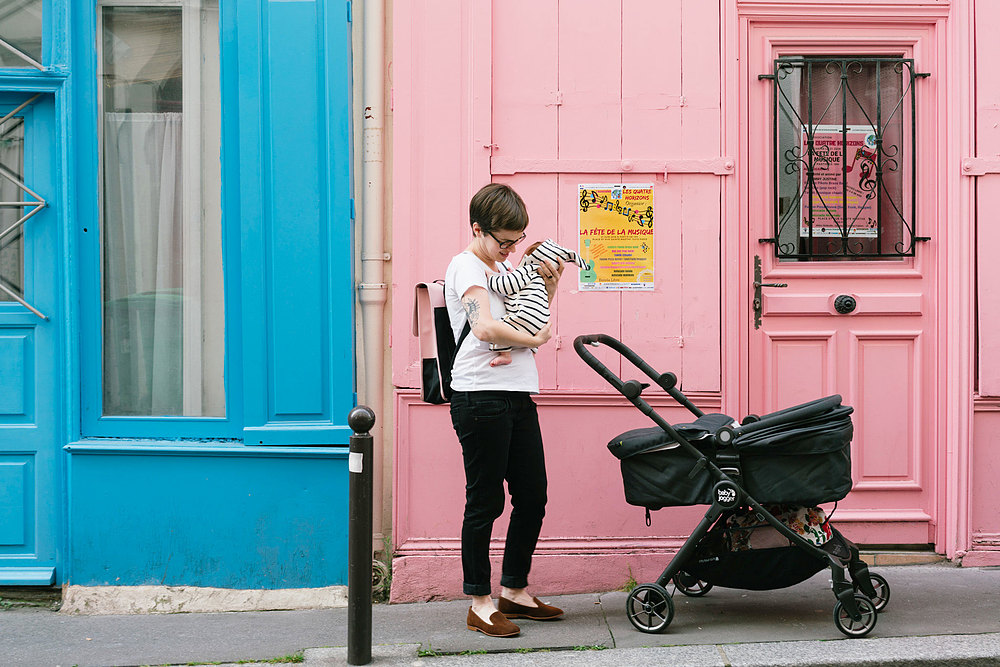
{"x":543,"y":335}
{"x":551,"y":273}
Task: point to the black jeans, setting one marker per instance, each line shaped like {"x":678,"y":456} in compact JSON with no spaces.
{"x":500,"y":441}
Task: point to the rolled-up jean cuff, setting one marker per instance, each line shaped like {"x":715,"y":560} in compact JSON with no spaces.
{"x":476,"y":589}
{"x":509,"y":581}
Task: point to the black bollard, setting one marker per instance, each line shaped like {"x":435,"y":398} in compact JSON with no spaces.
{"x":359,"y":558}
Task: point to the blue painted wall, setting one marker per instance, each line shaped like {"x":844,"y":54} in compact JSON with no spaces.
{"x":228,"y":517}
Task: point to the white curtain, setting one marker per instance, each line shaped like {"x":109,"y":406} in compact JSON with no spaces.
{"x":143,"y":261}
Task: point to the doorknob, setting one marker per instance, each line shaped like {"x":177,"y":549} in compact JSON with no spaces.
{"x":757,"y":297}
{"x":845,"y":303}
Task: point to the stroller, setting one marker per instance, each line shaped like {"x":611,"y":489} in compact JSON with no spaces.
{"x":798,"y":456}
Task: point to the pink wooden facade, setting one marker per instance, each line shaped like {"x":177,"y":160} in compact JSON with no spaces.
{"x":546,"y":95}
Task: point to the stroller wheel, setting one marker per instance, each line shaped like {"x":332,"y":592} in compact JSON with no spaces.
{"x":649,"y":607}
{"x":881,"y":586}
{"x":690,"y":585}
{"x":848,"y":625}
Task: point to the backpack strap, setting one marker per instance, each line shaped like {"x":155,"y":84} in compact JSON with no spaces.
{"x":466,"y":330}
{"x":446,"y":371}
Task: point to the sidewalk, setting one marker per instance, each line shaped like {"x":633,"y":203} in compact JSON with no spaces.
{"x":937,"y":614}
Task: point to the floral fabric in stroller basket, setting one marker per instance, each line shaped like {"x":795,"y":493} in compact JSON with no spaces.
{"x":743,"y":552}
{"x":806,"y":462}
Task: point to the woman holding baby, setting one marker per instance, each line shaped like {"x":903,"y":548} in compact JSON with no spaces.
{"x":494,"y":415}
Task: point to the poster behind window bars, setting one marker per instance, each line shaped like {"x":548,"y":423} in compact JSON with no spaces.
{"x":825,"y":200}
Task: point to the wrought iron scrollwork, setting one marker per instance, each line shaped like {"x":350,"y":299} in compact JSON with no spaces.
{"x":844,"y":158}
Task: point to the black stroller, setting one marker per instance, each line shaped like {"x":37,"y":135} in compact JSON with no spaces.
{"x":799,"y":455}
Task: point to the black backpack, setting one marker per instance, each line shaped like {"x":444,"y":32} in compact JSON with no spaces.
{"x":432,"y":327}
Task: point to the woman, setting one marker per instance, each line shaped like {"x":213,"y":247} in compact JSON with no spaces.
{"x":494,"y":416}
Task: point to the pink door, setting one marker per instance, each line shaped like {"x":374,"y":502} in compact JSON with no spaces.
{"x":840,"y":257}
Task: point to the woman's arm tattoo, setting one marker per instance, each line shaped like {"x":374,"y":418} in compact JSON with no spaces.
{"x":471,"y":310}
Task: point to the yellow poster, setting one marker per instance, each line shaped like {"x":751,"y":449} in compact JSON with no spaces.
{"x":616,"y":236}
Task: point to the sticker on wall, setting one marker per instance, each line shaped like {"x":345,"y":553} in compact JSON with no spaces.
{"x":616,"y":236}
{"x":833,"y":160}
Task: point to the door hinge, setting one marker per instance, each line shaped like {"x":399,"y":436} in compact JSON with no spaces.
{"x":350,"y":12}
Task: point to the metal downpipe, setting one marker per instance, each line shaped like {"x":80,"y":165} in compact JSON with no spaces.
{"x":372,"y":290}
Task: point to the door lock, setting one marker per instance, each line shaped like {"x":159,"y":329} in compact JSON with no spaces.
{"x":757,"y":297}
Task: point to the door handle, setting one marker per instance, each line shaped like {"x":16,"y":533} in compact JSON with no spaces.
{"x":758,"y":302}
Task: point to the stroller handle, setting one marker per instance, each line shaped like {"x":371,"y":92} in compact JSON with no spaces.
{"x":632,"y":388}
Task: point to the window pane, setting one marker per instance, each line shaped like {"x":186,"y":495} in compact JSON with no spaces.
{"x":841,"y":163}
{"x":11,"y":244}
{"x":143,"y":64}
{"x":20,"y":31}
{"x":161,"y":232}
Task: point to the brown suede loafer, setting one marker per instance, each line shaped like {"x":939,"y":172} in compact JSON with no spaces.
{"x":543,"y":612}
{"x":498,"y":626}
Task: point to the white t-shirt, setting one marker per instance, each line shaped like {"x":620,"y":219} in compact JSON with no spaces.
{"x":472,"y":370}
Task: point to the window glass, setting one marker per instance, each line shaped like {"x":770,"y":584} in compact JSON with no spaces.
{"x":11,"y":242}
{"x":163,"y":342}
{"x":20,"y":33}
{"x":844,"y":155}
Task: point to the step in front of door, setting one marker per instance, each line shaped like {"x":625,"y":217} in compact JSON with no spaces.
{"x":876,"y":557}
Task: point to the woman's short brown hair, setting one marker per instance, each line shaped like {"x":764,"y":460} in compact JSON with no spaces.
{"x":497,"y":206}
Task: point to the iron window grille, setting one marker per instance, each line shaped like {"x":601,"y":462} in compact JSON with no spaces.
{"x":844,"y":158}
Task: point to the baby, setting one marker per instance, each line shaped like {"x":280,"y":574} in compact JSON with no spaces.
{"x":524,"y":293}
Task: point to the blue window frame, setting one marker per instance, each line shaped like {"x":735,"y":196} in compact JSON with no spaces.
{"x":286,"y":229}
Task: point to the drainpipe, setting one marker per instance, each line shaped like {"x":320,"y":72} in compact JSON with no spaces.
{"x":372,"y":291}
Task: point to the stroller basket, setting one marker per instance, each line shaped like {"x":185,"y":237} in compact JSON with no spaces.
{"x":807,"y":461}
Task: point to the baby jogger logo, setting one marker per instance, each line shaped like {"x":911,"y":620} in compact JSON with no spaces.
{"x":727,"y":495}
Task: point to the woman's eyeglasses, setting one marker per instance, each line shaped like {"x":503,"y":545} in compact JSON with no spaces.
{"x":507,"y":244}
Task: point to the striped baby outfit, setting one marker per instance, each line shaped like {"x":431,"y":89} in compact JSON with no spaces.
{"x":523,"y":289}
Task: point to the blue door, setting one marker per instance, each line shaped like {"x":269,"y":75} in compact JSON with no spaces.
{"x":30,"y":333}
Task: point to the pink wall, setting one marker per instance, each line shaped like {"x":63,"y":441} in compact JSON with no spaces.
{"x":985,"y":486}
{"x":557,"y":102}
{"x":563,"y":100}
{"x":592,"y":91}
{"x":988,"y":192}
{"x":985,"y":456}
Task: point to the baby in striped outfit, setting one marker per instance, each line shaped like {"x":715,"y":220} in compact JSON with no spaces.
{"x":524,"y":293}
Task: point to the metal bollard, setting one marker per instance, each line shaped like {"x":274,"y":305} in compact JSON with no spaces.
{"x":359,"y":558}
